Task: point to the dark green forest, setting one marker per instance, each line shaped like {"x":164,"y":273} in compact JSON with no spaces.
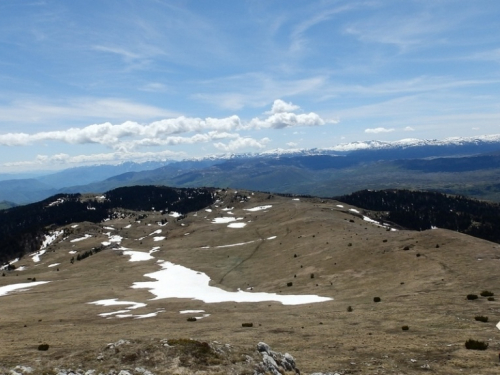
{"x":421,"y":210}
{"x":22,"y":228}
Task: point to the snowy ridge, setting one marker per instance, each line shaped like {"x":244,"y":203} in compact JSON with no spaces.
{"x":362,"y":145}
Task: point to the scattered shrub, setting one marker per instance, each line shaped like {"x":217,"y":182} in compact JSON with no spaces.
{"x":191,"y":319}
{"x":349,"y":309}
{"x":476,"y":345}
{"x":480,"y":318}
{"x":491,"y":298}
{"x":405,"y":328}
{"x":384,"y":241}
{"x":471,"y":297}
{"x":349,"y":244}
{"x":418,"y":255}
{"x":406,"y":248}
{"x":486,"y":293}
{"x":247,"y":324}
{"x":43,"y":347}
{"x":312,"y":275}
{"x":289,"y":284}
{"x":376,"y":299}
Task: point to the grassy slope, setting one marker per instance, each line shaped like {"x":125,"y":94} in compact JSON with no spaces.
{"x":426,"y":292}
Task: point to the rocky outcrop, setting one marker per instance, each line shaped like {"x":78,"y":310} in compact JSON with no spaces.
{"x":274,"y":362}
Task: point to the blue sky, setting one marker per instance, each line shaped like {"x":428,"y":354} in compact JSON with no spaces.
{"x":86,"y":82}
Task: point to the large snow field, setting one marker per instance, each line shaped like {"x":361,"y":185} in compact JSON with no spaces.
{"x":176,"y":281}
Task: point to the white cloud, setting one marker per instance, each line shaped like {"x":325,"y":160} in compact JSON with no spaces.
{"x":292,"y":144}
{"x":379,"y":130}
{"x":286,"y":119}
{"x":409,"y":129}
{"x":279,"y":106}
{"x":241,"y":143}
{"x":130,"y":135}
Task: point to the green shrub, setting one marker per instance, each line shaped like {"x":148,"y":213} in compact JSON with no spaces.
{"x":289,"y":284}
{"x":491,"y":298}
{"x":471,"y":297}
{"x":191,"y":319}
{"x":376,"y":299}
{"x":405,"y":328}
{"x":43,"y":347}
{"x":480,"y":318}
{"x":486,"y":293}
{"x":476,"y":345}
{"x":349,"y":309}
{"x":247,"y":324}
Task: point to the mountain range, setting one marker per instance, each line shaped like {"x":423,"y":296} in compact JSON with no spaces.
{"x":468,"y":166}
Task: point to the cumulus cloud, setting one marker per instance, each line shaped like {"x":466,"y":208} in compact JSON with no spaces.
{"x":408,"y":129}
{"x":241,"y":143}
{"x":286,"y":119}
{"x":130,"y":135}
{"x":279,"y":106}
{"x":379,"y":130}
{"x":292,"y":144}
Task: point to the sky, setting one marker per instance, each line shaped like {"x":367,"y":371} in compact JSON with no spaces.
{"x":102,"y":82}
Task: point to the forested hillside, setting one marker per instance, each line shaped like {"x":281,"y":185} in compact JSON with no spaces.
{"x":420,"y":210}
{"x":22,"y":228}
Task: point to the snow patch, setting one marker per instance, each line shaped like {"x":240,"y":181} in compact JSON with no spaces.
{"x":6,"y":289}
{"x":195,"y":285}
{"x":258,"y":208}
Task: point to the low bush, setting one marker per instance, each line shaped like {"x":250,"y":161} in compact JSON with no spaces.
{"x":43,"y":347}
{"x":191,"y":319}
{"x":480,"y":318}
{"x":476,"y":345}
{"x":247,"y":324}
{"x":471,"y":297}
{"x":376,"y":299}
{"x":289,"y":284}
{"x":405,"y":328}
{"x":486,"y":293}
{"x":349,"y":309}
{"x":491,"y":298}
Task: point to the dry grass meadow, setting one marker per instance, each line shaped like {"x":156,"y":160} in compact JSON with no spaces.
{"x":352,"y":260}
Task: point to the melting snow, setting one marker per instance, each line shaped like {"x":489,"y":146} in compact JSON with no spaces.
{"x":174,"y":214}
{"x":49,"y":238}
{"x":81,"y":238}
{"x":235,"y":244}
{"x":54,"y":264}
{"x":115,"y":302}
{"x":208,"y":210}
{"x":74,"y":226}
{"x":136,"y":256}
{"x":109,"y":228}
{"x":36,"y":257}
{"x":258,"y":208}
{"x":4,"y":290}
{"x":237,"y":225}
{"x":339,"y":205}
{"x":191,"y":311}
{"x":159,"y":238}
{"x":128,"y":226}
{"x":295,"y":199}
{"x":223,"y":220}
{"x":158,"y":231}
{"x":354,"y":210}
{"x":195,"y":285}
{"x":271,"y":238}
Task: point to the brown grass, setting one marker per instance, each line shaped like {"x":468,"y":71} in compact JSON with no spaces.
{"x":426,"y":293}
